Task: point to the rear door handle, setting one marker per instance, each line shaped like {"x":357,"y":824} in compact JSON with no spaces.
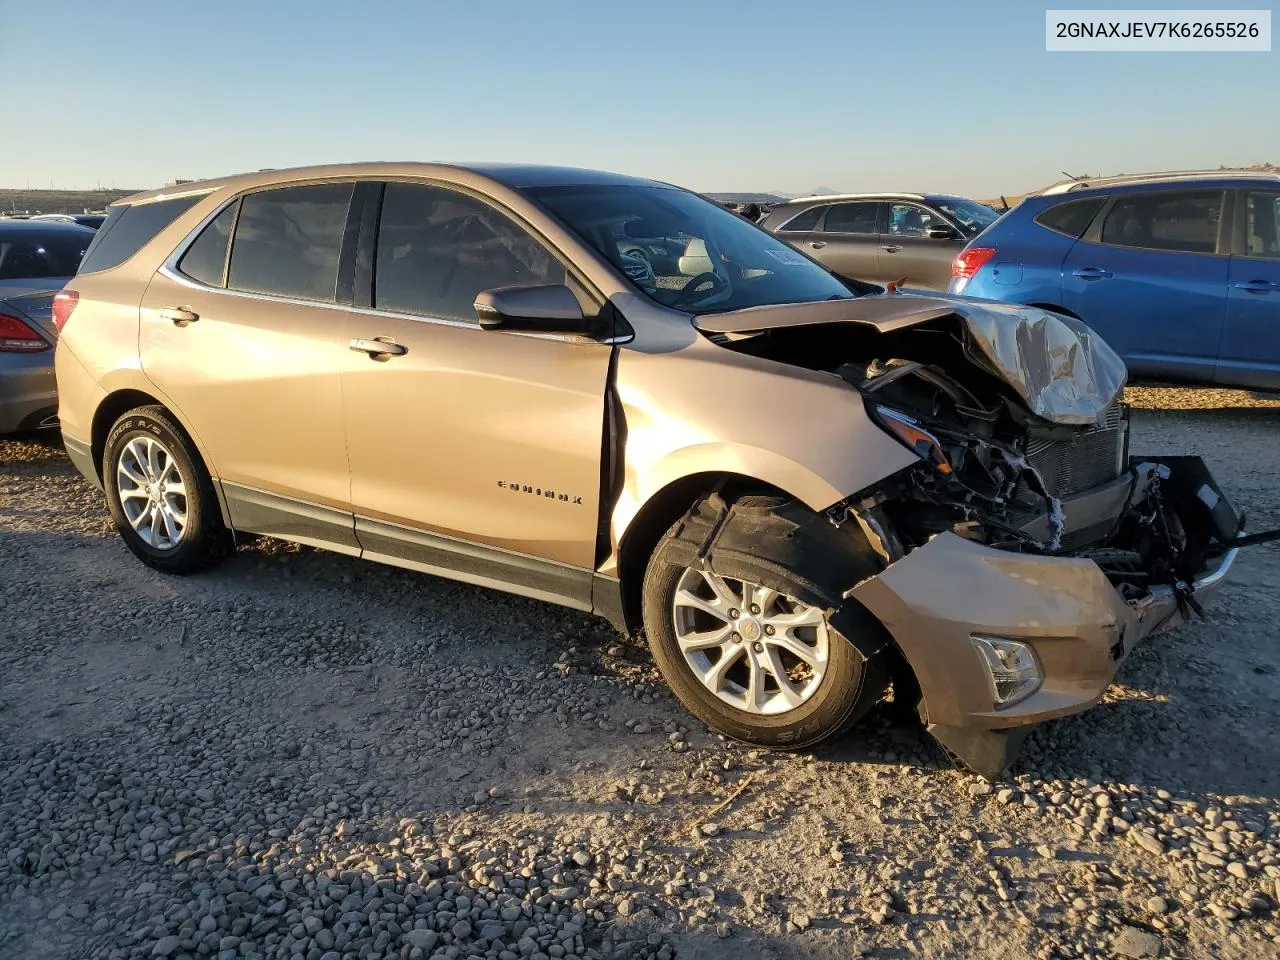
{"x":892,"y":248}
{"x":180,"y":316}
{"x":1256,"y":286}
{"x":817,"y":244}
{"x":1091,"y":273}
{"x":378,"y":348}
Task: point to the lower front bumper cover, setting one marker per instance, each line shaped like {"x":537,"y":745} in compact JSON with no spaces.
{"x":1081,"y":629}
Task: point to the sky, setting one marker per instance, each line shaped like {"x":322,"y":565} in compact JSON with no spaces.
{"x":729,"y":95}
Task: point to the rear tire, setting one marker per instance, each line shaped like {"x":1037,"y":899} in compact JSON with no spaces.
{"x":160,"y":495}
{"x":830,"y":682}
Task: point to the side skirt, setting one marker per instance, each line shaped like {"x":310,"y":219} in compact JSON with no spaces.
{"x":257,"y":511}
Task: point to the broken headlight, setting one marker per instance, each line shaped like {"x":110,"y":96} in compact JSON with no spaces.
{"x":920,"y":440}
{"x":1011,"y":666}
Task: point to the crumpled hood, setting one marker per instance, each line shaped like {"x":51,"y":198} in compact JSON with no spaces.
{"x":1063,"y":371}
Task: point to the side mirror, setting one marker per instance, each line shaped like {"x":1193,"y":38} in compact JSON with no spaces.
{"x":939,"y":233}
{"x":540,"y":309}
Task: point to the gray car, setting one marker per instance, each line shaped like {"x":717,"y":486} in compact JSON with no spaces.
{"x":36,"y":260}
{"x":883,"y":236}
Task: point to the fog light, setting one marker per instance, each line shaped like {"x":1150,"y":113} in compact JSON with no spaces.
{"x":1012,"y":666}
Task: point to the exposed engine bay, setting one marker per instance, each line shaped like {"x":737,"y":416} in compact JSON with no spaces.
{"x":1023,"y":441}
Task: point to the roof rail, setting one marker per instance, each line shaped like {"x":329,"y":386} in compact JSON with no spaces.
{"x":1081,"y":183}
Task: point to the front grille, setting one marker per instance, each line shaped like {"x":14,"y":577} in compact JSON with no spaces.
{"x":1087,"y":460}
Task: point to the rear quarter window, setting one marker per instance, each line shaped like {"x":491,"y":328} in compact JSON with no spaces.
{"x":128,"y":229}
{"x":1072,"y":217}
{"x":808,"y":220}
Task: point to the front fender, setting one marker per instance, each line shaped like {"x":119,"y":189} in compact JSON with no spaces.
{"x":701,"y":409}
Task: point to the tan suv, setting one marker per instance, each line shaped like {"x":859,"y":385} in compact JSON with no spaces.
{"x":613,"y":394}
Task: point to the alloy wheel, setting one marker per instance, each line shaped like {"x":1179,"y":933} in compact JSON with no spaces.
{"x":153,"y":492}
{"x":756,"y":649}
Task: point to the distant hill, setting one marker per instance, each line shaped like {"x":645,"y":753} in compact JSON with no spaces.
{"x":58,"y":201}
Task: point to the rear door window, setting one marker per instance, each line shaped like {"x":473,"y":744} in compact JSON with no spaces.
{"x":438,"y":248}
{"x":288,"y":241}
{"x":206,"y":259}
{"x":801,"y":222}
{"x":129,"y":228}
{"x":852,"y":218}
{"x":1185,"y":221}
{"x":1071,"y":218}
{"x":1262,"y":225}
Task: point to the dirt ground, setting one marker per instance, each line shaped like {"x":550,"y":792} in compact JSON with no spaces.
{"x":305,"y":755}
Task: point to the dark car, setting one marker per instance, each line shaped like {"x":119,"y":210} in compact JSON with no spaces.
{"x":91,"y":220}
{"x":883,"y":236}
{"x":1179,"y":272}
{"x":37,"y":257}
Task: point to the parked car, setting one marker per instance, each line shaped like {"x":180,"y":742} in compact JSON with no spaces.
{"x":802,"y":489}
{"x":1180,"y":273}
{"x":36,"y":259}
{"x":883,"y":237}
{"x":91,"y":220}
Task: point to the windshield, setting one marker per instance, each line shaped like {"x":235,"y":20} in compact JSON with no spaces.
{"x":973,"y":217}
{"x":686,"y":252}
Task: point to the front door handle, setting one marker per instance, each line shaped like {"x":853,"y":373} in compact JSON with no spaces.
{"x":892,"y":248}
{"x":378,"y":348}
{"x":180,"y":316}
{"x":817,"y":244}
{"x":1256,"y":286}
{"x":1091,"y":273}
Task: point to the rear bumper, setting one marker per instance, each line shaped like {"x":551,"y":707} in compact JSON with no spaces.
{"x":934,"y":599}
{"x":28,"y":393}
{"x":81,"y":455}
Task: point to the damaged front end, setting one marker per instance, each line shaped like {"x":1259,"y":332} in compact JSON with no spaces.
{"x":1026,"y":552}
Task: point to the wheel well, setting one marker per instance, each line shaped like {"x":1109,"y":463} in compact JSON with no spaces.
{"x":109,"y":411}
{"x":656,"y":517}
{"x":1056,"y":308}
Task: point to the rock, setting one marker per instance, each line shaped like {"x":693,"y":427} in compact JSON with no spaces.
{"x":1147,"y":842}
{"x":582,"y":858}
{"x":461,"y":930}
{"x":1224,"y":912}
{"x":166,"y":946}
{"x":1157,"y":905}
{"x":424,"y":940}
{"x":1238,"y":869}
{"x":492,"y":930}
{"x":1132,"y":942}
{"x":709,"y":829}
{"x":980,"y":788}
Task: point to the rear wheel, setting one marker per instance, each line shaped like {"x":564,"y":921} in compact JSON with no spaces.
{"x":751,"y":658}
{"x":160,"y":495}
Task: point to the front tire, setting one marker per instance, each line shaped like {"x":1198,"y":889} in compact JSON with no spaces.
{"x":748,"y":649}
{"x":160,"y":495}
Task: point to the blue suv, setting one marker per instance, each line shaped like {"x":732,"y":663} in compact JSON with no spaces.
{"x":1179,"y":273}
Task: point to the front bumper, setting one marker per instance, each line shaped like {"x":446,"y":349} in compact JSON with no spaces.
{"x":934,"y":599}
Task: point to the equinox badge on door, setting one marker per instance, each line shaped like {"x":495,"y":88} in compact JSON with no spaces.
{"x":538,"y":492}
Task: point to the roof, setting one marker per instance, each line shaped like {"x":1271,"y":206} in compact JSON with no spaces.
{"x":1171,"y":176}
{"x":513,"y":175}
{"x":46,"y":227}
{"x":828,"y":198}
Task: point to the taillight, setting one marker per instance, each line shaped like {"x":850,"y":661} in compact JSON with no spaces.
{"x":64,"y":301}
{"x":970,"y":261}
{"x":18,"y":336}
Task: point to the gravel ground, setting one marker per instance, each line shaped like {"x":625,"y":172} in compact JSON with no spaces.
{"x":300,"y":755}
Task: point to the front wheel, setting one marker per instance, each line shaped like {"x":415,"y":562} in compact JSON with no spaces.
{"x":747,"y":655}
